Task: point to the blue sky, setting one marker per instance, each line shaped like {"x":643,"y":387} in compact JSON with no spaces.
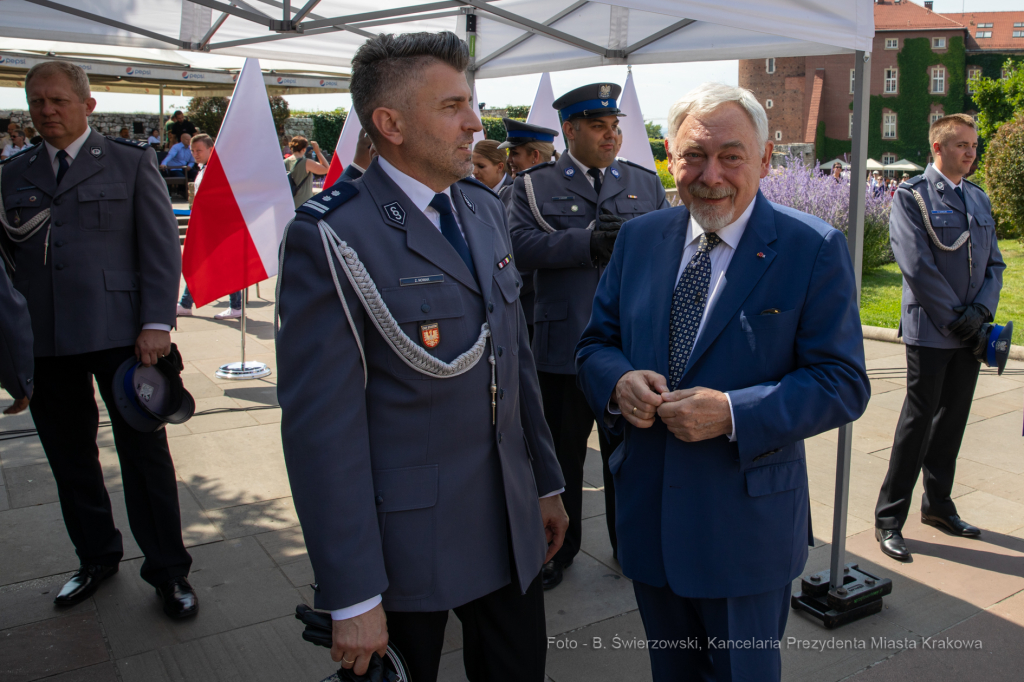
{"x":657,"y":85}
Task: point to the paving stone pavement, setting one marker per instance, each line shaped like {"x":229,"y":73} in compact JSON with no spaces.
{"x":251,"y":567}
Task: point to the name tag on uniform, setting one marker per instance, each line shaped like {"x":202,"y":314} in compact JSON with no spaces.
{"x":425,"y":279}
{"x":936,"y":212}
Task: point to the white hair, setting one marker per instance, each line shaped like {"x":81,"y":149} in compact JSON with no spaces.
{"x":707,"y":97}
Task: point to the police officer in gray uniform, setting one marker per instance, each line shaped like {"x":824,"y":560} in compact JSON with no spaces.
{"x":564,"y":218}
{"x":16,"y":364}
{"x":420,"y":463}
{"x":88,"y":227}
{"x":944,"y":239}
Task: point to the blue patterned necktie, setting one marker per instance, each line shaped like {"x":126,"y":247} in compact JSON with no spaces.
{"x":450,"y":229}
{"x":688,"y":303}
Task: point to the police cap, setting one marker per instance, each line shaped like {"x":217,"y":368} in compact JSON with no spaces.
{"x":518,"y":133}
{"x":148,"y":398}
{"x":590,"y":101}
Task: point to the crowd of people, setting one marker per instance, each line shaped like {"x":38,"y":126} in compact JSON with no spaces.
{"x":525,"y":294}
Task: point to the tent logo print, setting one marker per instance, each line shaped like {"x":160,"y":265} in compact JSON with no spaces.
{"x":128,"y":71}
{"x":285,"y":81}
{"x":192,"y":76}
{"x":328,"y":84}
{"x":12,"y":60}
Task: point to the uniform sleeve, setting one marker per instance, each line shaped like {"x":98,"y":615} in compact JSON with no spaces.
{"x":16,"y":350}
{"x":324,"y":428}
{"x":158,"y":243}
{"x":913,"y":250}
{"x":534,"y":248}
{"x":988,"y":295}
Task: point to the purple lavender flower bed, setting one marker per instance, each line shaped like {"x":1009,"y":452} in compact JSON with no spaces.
{"x":813,"y":190}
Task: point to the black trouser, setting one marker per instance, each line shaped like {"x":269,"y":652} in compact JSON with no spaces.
{"x":65,"y":413}
{"x":504,"y":636}
{"x":940,"y":388}
{"x":571,"y":421}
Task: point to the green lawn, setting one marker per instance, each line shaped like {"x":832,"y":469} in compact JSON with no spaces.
{"x":881,"y":287}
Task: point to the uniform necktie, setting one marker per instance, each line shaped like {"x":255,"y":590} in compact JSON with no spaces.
{"x":960,"y":194}
{"x":62,"y":164}
{"x":688,"y":303}
{"x":450,"y":229}
{"x":596,"y":174}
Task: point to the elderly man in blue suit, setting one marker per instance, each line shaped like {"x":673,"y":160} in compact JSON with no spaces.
{"x":723,"y":334}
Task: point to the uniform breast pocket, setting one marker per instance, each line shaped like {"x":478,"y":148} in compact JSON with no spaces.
{"x":509,"y":282}
{"x":22,"y":206}
{"x":631,"y":208}
{"x":432,"y":316}
{"x":563,"y":215}
{"x":104,"y":206}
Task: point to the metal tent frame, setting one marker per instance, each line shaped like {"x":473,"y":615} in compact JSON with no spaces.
{"x":291,"y":22}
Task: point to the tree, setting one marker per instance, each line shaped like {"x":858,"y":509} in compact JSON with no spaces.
{"x":279,"y":110}
{"x":999,"y":100}
{"x":327,"y":127}
{"x":207,"y":113}
{"x":653,"y":130}
{"x":1004,"y":178}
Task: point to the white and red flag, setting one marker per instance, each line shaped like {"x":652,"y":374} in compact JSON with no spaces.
{"x":345,"y":150}
{"x":244,"y":202}
{"x":635,"y":145}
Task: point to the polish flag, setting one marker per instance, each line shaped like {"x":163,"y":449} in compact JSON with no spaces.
{"x":244,"y":202}
{"x":345,"y":150}
{"x":635,"y":144}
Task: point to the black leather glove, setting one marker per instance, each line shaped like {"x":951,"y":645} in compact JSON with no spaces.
{"x":979,"y":342}
{"x":609,"y":221}
{"x":601,"y":244}
{"x":971,"y":318}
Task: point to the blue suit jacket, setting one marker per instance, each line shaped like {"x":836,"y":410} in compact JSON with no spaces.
{"x":719,"y":519}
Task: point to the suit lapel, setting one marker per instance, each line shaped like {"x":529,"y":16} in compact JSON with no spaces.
{"x":480,"y":236}
{"x":421,"y":235}
{"x":40,"y":172}
{"x":576,"y":182}
{"x":745,"y":270}
{"x":946,"y":191}
{"x":610,"y":185}
{"x":85,"y":164}
{"x":667,"y":255}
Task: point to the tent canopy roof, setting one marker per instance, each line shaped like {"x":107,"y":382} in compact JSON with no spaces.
{"x":904,"y":165}
{"x":511,"y":37}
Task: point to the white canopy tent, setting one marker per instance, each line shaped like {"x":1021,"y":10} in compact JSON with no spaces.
{"x":506,"y":38}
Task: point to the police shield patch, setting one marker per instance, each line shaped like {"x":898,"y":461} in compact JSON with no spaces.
{"x":430,"y":334}
{"x":395,"y":212}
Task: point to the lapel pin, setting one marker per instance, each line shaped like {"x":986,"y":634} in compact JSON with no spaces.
{"x":33,"y":158}
{"x":395,"y":212}
{"x":615,"y":173}
{"x":760,"y":254}
{"x":631,"y":196}
{"x":940,"y":185}
{"x":96,"y":151}
{"x":570,"y":171}
{"x":468,"y":202}
{"x":32,"y":198}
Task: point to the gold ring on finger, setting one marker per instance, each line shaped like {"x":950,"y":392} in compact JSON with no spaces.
{"x":634,"y":411}
{"x":345,"y":660}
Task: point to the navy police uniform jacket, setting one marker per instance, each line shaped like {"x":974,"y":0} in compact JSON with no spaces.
{"x":566,"y":277}
{"x":934,"y":280}
{"x":404,"y":487}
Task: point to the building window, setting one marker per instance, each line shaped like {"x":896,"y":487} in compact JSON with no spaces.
{"x":934,"y":116}
{"x":938,"y":80}
{"x":892,"y":43}
{"x":938,"y":43}
{"x":853,"y":73}
{"x":888,"y":158}
{"x":983,"y":34}
{"x":768,"y":104}
{"x":769,"y":65}
{"x":850,"y":135}
{"x":1018,"y":34}
{"x":890,"y":81}
{"x":889,"y":126}
{"x":987,"y":25}
{"x":973,"y":72}
{"x":1018,"y":24}
{"x":778,"y":136}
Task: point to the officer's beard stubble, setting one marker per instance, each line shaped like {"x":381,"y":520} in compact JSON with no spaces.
{"x":443,"y":157}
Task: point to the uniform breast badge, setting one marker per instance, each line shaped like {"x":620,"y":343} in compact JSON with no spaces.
{"x":615,"y":173}
{"x":430,"y":334}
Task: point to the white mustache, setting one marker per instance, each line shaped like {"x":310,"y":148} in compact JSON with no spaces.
{"x":701,"y":191}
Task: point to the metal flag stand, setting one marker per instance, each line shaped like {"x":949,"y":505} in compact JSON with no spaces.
{"x":243,"y":370}
{"x":844,"y":593}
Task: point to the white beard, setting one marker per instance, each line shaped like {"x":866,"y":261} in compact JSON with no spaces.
{"x":710,"y":218}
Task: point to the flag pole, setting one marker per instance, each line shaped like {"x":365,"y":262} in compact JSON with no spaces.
{"x":243,"y":370}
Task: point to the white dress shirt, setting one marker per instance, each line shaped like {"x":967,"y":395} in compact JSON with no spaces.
{"x":73,"y":149}
{"x":421,"y":196}
{"x":582,"y":167}
{"x":199,"y":175}
{"x":721,"y":256}
{"x":951,"y":183}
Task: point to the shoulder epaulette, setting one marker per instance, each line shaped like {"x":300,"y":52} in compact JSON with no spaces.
{"x":539,"y":165}
{"x":912,"y":181}
{"x":637,"y":165}
{"x":129,"y":143}
{"x":328,"y":200}
{"x":12,"y":157}
{"x":473,"y":181}
{"x":974,"y":183}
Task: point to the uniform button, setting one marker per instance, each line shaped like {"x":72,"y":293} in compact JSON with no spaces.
{"x":490,"y":307}
{"x":499,"y":437}
{"x":60,"y":266}
{"x":501,"y":393}
{"x":517,"y":285}
{"x":103,"y":194}
{"x":57,"y":201}
{"x":59,"y":223}
{"x":425,"y":307}
{"x":379,"y":500}
{"x":974,"y":286}
{"x":58,"y":244}
{"x":501,"y":350}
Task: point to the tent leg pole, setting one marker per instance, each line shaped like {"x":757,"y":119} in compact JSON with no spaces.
{"x":161,"y":129}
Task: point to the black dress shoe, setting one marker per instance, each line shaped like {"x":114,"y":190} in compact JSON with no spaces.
{"x":891,"y":542}
{"x":83,"y":584}
{"x":180,"y":600}
{"x":951,"y":524}
{"x":551,"y":574}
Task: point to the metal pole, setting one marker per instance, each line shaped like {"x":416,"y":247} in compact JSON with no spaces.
{"x":245,"y":297}
{"x":855,"y":240}
{"x":161,"y":131}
